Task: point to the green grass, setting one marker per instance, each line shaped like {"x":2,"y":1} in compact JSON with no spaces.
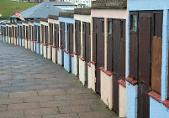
{"x":8,"y":7}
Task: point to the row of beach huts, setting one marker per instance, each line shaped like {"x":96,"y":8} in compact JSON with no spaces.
{"x":118,"y":48}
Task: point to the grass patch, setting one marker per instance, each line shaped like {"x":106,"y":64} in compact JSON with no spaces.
{"x":9,"y":7}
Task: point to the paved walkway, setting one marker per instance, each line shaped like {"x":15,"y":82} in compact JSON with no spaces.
{"x":32,"y":87}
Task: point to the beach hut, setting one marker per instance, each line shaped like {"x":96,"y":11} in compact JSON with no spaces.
{"x":108,"y":52}
{"x":82,"y":56}
{"x":25,"y":38}
{"x":66,"y":39}
{"x":147,"y":57}
{"x":3,"y":32}
{"x":19,"y":37}
{"x":9,"y":33}
{"x":51,"y":21}
{"x":54,"y":37}
{"x":13,"y":33}
{"x":29,"y":34}
{"x":44,"y":37}
{"x":37,"y":36}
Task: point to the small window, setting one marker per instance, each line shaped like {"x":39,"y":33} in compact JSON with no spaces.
{"x":134,"y":23}
{"x":110,"y":28}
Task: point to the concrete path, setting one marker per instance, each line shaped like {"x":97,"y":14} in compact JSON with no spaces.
{"x":32,"y":87}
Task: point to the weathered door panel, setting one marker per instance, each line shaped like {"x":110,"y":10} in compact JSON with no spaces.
{"x":133,"y":46}
{"x":78,"y":37}
{"x":116,"y":45}
{"x":84,"y":41}
{"x":88,"y":43}
{"x":99,"y":52}
{"x":118,"y":59}
{"x":156,"y":51}
{"x":143,"y":101}
{"x":145,"y":36}
{"x":116,"y":93}
{"x":94,"y":39}
{"x":110,"y":45}
{"x":62,"y":40}
{"x":156,"y":64}
{"x":71,"y":38}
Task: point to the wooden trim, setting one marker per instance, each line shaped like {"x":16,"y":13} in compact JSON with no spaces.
{"x":93,"y":62}
{"x":82,"y":58}
{"x":89,"y":64}
{"x":155,"y":96}
{"x":131,"y":80}
{"x":109,"y":73}
{"x":122,"y":82}
{"x":166,"y":103}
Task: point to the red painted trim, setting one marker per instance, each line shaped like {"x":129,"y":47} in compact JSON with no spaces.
{"x":155,"y":96}
{"x":67,"y":52}
{"x":89,"y":64}
{"x":122,"y":82}
{"x":72,"y":55}
{"x":54,"y":46}
{"x":93,"y":62}
{"x":109,"y":73}
{"x":131,"y":80}
{"x":82,"y":58}
{"x":166,"y":103}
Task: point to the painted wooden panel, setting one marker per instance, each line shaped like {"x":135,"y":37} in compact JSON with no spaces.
{"x":122,"y":101}
{"x":133,"y":46}
{"x":143,"y":101}
{"x":78,"y":37}
{"x":56,"y":35}
{"x":94,"y":38}
{"x":110,"y":45}
{"x":99,"y":51}
{"x":88,"y":43}
{"x":106,"y":89}
{"x":156,"y":51}
{"x":144,"y":48}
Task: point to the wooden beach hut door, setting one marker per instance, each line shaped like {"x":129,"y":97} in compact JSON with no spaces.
{"x":86,"y":47}
{"x":78,"y":42}
{"x":146,"y":61}
{"x":62,"y":36}
{"x":70,"y":42}
{"x":118,"y":57}
{"x":99,"y":51}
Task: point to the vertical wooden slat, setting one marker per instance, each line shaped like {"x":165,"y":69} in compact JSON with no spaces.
{"x":94,"y":38}
{"x":143,"y":101}
{"x":84,"y":41}
{"x":78,"y":37}
{"x":88,"y":43}
{"x":157,"y":53}
{"x":118,"y":58}
{"x":144,"y":48}
{"x":134,"y":46}
{"x":71,"y":38}
{"x":99,"y":51}
{"x":110,"y":45}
